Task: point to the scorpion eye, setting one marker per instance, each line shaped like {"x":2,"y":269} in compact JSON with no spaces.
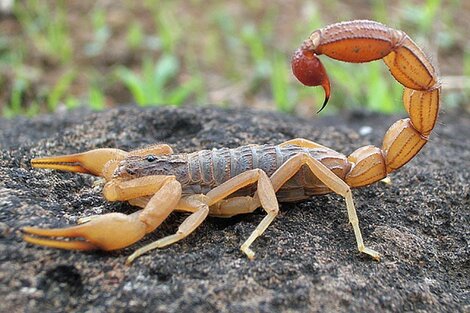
{"x":151,"y":158}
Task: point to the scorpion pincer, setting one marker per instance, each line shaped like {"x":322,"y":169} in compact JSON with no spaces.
{"x":228,"y":182}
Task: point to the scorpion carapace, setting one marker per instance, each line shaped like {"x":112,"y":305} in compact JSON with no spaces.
{"x":227,"y":182}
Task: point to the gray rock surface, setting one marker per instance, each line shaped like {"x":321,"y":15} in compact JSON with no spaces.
{"x":305,"y":262}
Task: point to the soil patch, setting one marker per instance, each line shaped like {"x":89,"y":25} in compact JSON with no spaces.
{"x":305,"y":262}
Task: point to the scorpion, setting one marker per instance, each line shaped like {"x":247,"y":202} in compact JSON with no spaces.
{"x":226,"y":182}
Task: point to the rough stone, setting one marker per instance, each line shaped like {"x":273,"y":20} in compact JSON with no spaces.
{"x":305,"y":262}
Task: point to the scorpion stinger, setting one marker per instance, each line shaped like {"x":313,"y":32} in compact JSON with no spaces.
{"x":309,"y":70}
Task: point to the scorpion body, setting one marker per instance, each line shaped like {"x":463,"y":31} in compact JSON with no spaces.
{"x":201,"y":171}
{"x":228,"y":182}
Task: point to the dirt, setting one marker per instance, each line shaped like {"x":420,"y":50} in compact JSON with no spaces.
{"x":305,"y":262}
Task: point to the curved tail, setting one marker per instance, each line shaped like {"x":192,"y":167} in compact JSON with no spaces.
{"x":364,"y":41}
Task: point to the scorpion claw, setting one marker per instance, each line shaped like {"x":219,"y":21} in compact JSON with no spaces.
{"x":106,"y":232}
{"x":52,"y":243}
{"x":92,"y":162}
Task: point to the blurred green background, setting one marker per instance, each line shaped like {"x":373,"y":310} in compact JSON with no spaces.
{"x":64,"y":54}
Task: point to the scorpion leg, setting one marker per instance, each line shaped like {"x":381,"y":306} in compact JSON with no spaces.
{"x":239,"y":205}
{"x":303,"y":143}
{"x":200,"y":210}
{"x":182,"y":206}
{"x":115,"y":230}
{"x":265,"y":193}
{"x":140,"y":202}
{"x":234,"y":206}
{"x":294,"y":164}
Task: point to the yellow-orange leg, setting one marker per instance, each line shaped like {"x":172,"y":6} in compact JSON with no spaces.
{"x":199,"y":205}
{"x":200,"y":211}
{"x":302,"y":142}
{"x":332,"y":181}
{"x":243,"y":205}
{"x":240,"y":205}
{"x":294,"y":164}
{"x":265,"y":194}
{"x":115,"y":230}
{"x":234,"y":206}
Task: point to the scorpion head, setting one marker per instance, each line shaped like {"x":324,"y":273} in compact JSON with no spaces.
{"x":132,"y":166}
{"x":142,"y":162}
{"x":135,"y":166}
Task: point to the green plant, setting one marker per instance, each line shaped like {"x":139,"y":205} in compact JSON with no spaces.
{"x":180,"y":51}
{"x":17,"y":91}
{"x":59,"y":91}
{"x":21,"y":80}
{"x":135,"y":35}
{"x":168,"y":28}
{"x":363,"y":85}
{"x":97,"y":100}
{"x":283,"y":98}
{"x":423,"y":15}
{"x":46,"y":27}
{"x":153,"y":86}
{"x":101,"y":33}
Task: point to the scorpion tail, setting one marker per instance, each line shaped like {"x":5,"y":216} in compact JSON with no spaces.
{"x":364,"y":41}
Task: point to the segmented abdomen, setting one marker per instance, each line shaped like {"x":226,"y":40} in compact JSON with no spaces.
{"x":210,"y":168}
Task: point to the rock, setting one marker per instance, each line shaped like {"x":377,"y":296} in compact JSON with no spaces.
{"x":305,"y":262}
